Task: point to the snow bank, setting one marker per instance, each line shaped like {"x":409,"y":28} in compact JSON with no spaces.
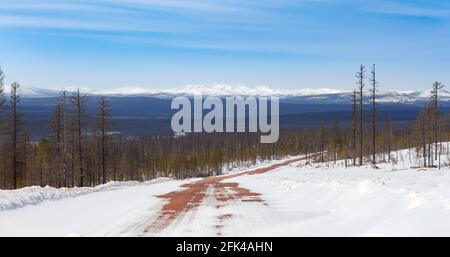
{"x":314,"y":199}
{"x":33,"y":195}
{"x":118,"y":208}
{"x":331,"y":200}
{"x":13,"y":199}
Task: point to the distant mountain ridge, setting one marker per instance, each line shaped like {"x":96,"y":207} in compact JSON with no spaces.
{"x":142,"y":112}
{"x":306,"y":95}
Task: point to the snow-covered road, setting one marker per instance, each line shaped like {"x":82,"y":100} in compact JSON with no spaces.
{"x":310,"y":200}
{"x":116,"y":210}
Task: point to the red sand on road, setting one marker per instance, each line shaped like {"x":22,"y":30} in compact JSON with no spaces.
{"x":180,"y":202}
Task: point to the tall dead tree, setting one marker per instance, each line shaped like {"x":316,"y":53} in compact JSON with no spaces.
{"x":354,"y":118}
{"x":374,"y":83}
{"x":430,"y":134}
{"x":421,"y":128}
{"x":63,"y":98}
{"x":56,"y":138}
{"x":435,"y":114}
{"x":2,"y":129}
{"x":2,"y":97}
{"x":59,"y":130}
{"x":2,"y":100}
{"x":15,"y":122}
{"x":360,"y":82}
{"x":79,"y":101}
{"x":103,"y":127}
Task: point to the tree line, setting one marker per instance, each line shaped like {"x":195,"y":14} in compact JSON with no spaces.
{"x":366,"y":141}
{"x":85,"y":151}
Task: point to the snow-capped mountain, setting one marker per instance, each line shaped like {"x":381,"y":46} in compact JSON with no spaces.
{"x":220,"y":90}
{"x":307,"y":95}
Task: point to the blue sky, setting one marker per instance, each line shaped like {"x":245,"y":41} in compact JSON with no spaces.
{"x":172,"y":43}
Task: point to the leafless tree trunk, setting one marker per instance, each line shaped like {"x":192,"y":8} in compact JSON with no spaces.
{"x":2,"y":129}
{"x":354,"y":117}
{"x":78,"y":101}
{"x":2,"y":98}
{"x":15,"y":98}
{"x":373,"y":81}
{"x":360,"y":82}
{"x":104,"y":129}
{"x":435,"y":101}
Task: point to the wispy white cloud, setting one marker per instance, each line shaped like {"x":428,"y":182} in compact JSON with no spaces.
{"x":229,"y":25}
{"x":204,"y":24}
{"x":264,"y":25}
{"x":134,"y":15}
{"x":420,"y":8}
{"x":21,"y":21}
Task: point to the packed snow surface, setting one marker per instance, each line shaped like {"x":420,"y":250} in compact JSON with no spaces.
{"x":297,"y":200}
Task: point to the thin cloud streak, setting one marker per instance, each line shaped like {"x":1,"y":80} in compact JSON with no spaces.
{"x":429,"y":8}
{"x":280,"y":42}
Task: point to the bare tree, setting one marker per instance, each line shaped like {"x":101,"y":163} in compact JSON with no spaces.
{"x":354,"y":118}
{"x":360,"y":82}
{"x":2,"y":128}
{"x":63,"y":98}
{"x":103,"y":127}
{"x":437,"y":86}
{"x":59,"y":128}
{"x":422,"y":121}
{"x":79,"y":101}
{"x":15,"y":123}
{"x":2,"y":95}
{"x":374,"y":82}
{"x":3,"y":102}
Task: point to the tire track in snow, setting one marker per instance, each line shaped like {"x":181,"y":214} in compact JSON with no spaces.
{"x":179,"y":203}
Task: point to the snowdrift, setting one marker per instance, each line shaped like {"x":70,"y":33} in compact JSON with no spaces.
{"x":13,"y":199}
